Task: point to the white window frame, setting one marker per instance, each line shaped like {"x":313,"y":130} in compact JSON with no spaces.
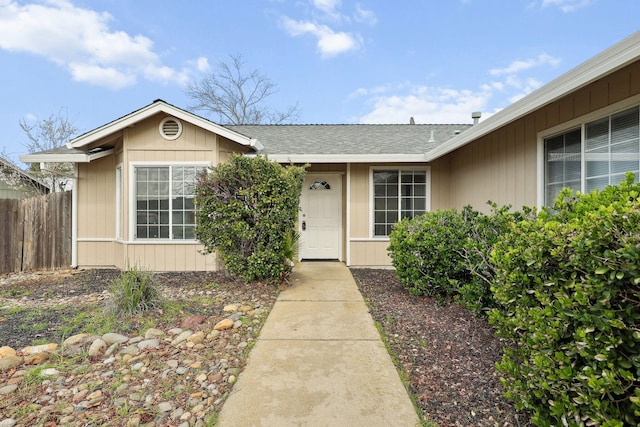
{"x":568,"y":126}
{"x":426,"y":169}
{"x":133,"y":205}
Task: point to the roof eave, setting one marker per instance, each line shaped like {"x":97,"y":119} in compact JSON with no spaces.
{"x":345,"y":158}
{"x":601,"y":65}
{"x":155,"y":108}
{"x":65,"y":157}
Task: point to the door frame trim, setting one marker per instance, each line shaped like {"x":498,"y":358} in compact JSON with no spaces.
{"x":341,"y":219}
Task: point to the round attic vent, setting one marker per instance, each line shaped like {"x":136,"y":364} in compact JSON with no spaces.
{"x":170,"y":128}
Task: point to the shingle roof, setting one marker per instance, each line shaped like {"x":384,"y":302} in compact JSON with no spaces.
{"x":349,"y":139}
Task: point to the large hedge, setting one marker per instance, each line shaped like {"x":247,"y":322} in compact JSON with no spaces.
{"x":569,"y":284}
{"x":247,"y":210}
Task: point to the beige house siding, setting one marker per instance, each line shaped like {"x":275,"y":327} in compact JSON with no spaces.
{"x":503,"y":166}
{"x":98,"y":245}
{"x":97,"y":192}
{"x":365,"y":250}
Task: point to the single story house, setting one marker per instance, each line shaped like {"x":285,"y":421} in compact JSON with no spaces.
{"x":18,"y":184}
{"x":133,"y":195}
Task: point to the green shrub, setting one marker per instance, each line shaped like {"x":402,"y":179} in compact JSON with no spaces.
{"x":426,"y":251}
{"x":569,"y":284}
{"x":133,"y":292}
{"x":247,"y":209}
{"x":484,"y":232}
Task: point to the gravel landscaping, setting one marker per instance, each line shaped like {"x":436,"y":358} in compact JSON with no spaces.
{"x":172,"y":367}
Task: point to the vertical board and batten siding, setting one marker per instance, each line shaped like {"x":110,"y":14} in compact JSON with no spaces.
{"x":365,"y":250}
{"x":35,"y":233}
{"x":502,"y":166}
{"x":142,"y":143}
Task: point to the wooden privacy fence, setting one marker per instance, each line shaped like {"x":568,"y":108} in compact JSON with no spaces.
{"x":35,"y":233}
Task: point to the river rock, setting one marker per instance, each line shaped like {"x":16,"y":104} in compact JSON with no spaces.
{"x":6,"y":351}
{"x":112,"y":338}
{"x":10,"y":362}
{"x":224,"y":325}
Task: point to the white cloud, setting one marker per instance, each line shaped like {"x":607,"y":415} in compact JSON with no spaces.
{"x":82,"y":41}
{"x":365,"y":16}
{"x":327,"y":6}
{"x":567,"y":5}
{"x":329,"y":43}
{"x":523,"y":65}
{"x":428,"y":104}
{"x":202,"y":64}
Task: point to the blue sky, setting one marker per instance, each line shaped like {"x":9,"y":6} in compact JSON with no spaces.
{"x":365,"y":61}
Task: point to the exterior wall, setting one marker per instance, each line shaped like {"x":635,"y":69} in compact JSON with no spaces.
{"x":367,"y":251}
{"x":98,"y":242}
{"x":503,"y":166}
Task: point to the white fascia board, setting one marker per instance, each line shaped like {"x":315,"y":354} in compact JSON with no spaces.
{"x":601,"y":65}
{"x":155,"y":108}
{"x":65,"y":158}
{"x":346,"y":158}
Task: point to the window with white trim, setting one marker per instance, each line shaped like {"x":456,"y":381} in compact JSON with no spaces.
{"x":596,"y":155}
{"x":397,"y":194}
{"x":165,"y":206}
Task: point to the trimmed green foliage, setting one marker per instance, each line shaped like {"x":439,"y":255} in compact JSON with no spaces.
{"x":484,"y":232}
{"x":569,"y":284}
{"x":247,"y":209}
{"x":426,"y":251}
{"x":133,"y":292}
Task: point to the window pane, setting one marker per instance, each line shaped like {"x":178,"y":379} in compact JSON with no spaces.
{"x":189,"y":233}
{"x":562,"y":163}
{"x":596,"y":183}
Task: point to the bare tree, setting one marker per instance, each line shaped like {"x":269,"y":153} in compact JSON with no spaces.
{"x":48,"y":134}
{"x":238,"y":97}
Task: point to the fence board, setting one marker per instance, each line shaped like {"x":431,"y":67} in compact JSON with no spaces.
{"x":35,"y":233}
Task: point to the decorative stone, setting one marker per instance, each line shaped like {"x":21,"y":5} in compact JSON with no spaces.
{"x":43,"y":348}
{"x":230,"y":308}
{"x":75,"y":340}
{"x":182,"y":337}
{"x":196,"y":338}
{"x":130,"y":350}
{"x":150,"y":343}
{"x":224,"y":325}
{"x":245,"y":308}
{"x":153,"y":333}
{"x":36,"y":359}
{"x":6,"y":351}
{"x":96,"y":347}
{"x":237,"y":324}
{"x":112,"y":338}
{"x":50,"y":372}
{"x":8,"y":389}
{"x":10,"y":362}
{"x":191,"y":321}
{"x":165,"y":407}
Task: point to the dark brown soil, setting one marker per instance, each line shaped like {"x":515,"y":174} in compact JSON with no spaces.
{"x":447,"y":354}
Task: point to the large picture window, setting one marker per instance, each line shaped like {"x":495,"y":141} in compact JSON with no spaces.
{"x":594,"y":156}
{"x":165,"y":206}
{"x":397,"y":194}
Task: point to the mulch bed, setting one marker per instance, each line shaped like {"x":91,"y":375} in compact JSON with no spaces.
{"x":447,"y":354}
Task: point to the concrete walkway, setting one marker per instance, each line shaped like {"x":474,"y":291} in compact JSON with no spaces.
{"x":319,"y":361}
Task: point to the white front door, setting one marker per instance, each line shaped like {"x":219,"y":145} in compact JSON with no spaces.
{"x":321,"y":217}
